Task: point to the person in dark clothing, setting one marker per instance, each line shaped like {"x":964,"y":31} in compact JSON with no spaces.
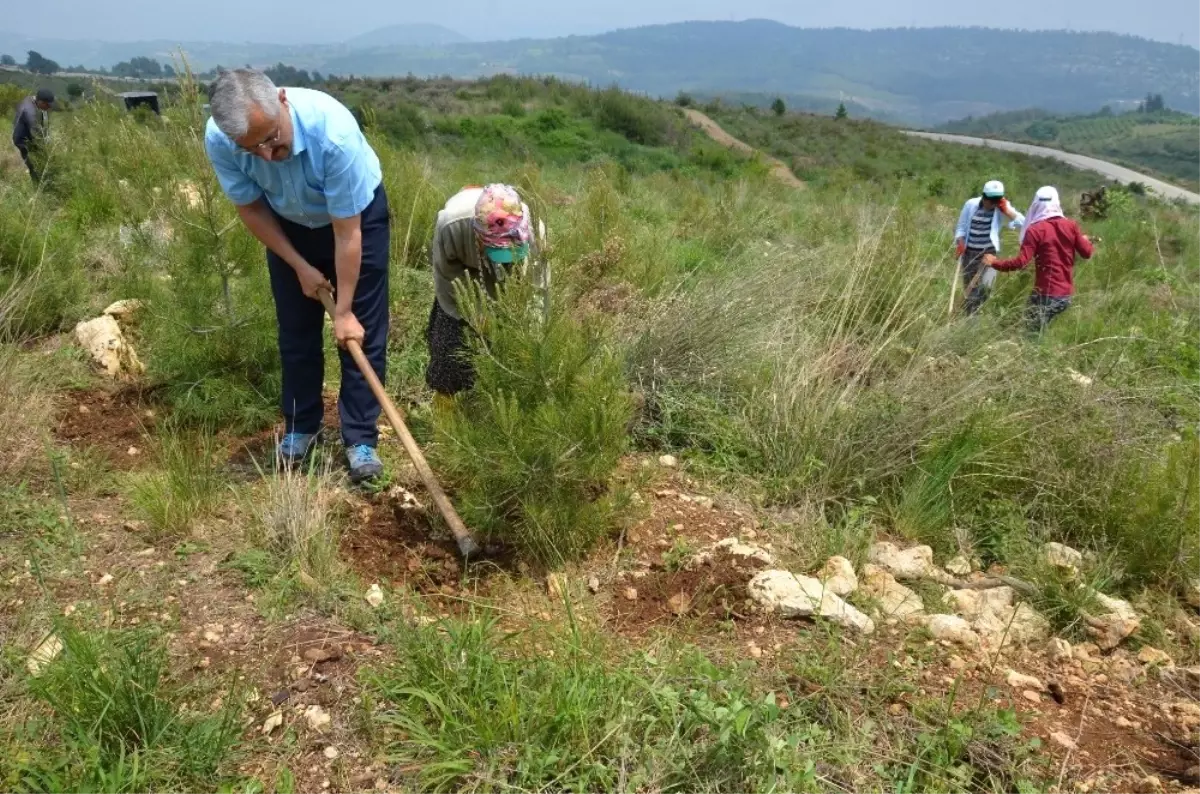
{"x":1053,"y":240}
{"x":29,"y":126}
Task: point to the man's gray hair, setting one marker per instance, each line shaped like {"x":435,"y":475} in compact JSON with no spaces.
{"x":235,"y":92}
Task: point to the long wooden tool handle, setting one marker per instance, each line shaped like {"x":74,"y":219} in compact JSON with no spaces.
{"x":466,"y":544}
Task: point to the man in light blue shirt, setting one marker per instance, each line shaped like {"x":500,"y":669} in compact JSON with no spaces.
{"x":308,"y":185}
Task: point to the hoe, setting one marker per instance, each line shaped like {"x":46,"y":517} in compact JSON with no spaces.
{"x":467,"y":545}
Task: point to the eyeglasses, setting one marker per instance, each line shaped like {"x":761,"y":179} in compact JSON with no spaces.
{"x":267,"y":144}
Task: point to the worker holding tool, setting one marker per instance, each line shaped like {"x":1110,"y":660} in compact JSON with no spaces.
{"x":30,"y":125}
{"x":308,"y":185}
{"x":483,"y":234}
{"x":1053,"y":240}
{"x":978,"y":234}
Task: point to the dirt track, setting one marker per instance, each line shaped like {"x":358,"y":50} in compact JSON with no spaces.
{"x":1110,"y":170}
{"x":714,"y":131}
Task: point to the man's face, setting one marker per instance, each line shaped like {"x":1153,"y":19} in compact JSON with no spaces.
{"x":268,"y":138}
{"x":42,"y":105}
{"x":990,"y":203}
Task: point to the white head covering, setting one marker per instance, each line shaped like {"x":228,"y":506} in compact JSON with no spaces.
{"x":1045,"y":206}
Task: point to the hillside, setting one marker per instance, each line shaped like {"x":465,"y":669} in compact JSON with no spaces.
{"x":920,"y":76}
{"x":1165,"y":143}
{"x":407,"y":36}
{"x":771,"y":514}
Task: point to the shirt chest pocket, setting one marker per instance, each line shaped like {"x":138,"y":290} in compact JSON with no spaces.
{"x":309,"y":178}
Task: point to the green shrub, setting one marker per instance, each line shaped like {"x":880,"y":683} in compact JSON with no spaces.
{"x":639,"y":120}
{"x":531,"y":451}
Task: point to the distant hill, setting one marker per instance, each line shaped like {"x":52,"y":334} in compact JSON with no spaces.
{"x":1164,"y":142}
{"x":925,"y":75}
{"x":407,"y":36}
{"x":915,"y":75}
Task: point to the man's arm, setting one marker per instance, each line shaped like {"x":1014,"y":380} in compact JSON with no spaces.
{"x":1028,"y":248}
{"x":347,"y":261}
{"x":22,"y":129}
{"x":964,"y":223}
{"x":1083,"y":244}
{"x":260,"y":221}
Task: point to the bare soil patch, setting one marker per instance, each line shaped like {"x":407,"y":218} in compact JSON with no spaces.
{"x":115,"y":423}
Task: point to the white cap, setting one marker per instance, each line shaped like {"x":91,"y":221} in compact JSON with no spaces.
{"x":993,"y":189}
{"x":1047,"y":193}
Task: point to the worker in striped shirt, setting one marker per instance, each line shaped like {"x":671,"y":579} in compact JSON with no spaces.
{"x":978,"y":234}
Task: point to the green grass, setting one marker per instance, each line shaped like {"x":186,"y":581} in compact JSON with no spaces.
{"x":110,"y":719}
{"x":186,"y":485}
{"x":466,"y":706}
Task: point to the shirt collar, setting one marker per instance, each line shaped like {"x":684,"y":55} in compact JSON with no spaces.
{"x":299,"y":139}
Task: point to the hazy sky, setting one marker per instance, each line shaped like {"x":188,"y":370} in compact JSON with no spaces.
{"x":297,"y":21}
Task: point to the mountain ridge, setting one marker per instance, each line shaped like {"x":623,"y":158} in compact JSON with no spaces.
{"x":920,"y":76}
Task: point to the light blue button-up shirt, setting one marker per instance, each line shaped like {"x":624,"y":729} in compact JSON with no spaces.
{"x":332,"y":171}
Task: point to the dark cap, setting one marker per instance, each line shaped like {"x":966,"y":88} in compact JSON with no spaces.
{"x":45,"y":95}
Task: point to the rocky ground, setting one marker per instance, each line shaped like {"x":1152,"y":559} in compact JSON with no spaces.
{"x":1113,"y":712}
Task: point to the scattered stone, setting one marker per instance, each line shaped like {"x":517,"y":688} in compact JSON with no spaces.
{"x":1118,"y":621}
{"x":1021,"y":681}
{"x":731,"y":547}
{"x":1153,"y":656}
{"x":952,"y":629}
{"x":374,"y":595}
{"x":668,"y":461}
{"x":973,"y":604}
{"x":1031,"y":696}
{"x":1192,"y":594}
{"x":838,"y":576}
{"x":679,"y":603}
{"x":1185,"y":678}
{"x":704,"y":502}
{"x":756,"y":651}
{"x":318,"y":655}
{"x":318,"y":718}
{"x":46,"y":651}
{"x":1059,"y":649}
{"x":1080,"y":378}
{"x":272,"y":722}
{"x":104,"y":580}
{"x":331,"y":752}
{"x":957,"y":663}
{"x":280,"y":697}
{"x":959,"y":566}
{"x":133,"y":452}
{"x":102,"y":338}
{"x":1063,"y":740}
{"x":123,"y":308}
{"x":792,"y":596}
{"x":894,"y":599}
{"x":594,"y":584}
{"x":630,"y":593}
{"x":1152,"y":783}
{"x":1086,"y":651}
{"x":1121,"y":722}
{"x":914,"y":563}
{"x":1064,"y":557}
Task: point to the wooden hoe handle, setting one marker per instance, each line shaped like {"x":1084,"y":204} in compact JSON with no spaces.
{"x":466,"y":544}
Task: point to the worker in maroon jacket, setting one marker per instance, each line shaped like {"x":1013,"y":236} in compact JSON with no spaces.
{"x":1054,"y":240}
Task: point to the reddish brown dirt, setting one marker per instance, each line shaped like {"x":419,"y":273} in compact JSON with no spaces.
{"x":113,"y":423}
{"x":398,"y":547}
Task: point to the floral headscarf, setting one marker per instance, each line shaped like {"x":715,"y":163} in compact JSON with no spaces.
{"x":501,"y":219}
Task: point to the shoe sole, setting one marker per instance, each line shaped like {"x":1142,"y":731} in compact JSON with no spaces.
{"x":365,"y":474}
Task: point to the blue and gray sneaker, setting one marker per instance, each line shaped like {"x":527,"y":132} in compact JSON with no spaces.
{"x":364,"y":463}
{"x":294,"y":447}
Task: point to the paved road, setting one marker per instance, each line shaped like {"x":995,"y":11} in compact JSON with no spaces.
{"x":1110,"y":170}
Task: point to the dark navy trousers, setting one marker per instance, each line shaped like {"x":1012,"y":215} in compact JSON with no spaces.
{"x":302,"y":323}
